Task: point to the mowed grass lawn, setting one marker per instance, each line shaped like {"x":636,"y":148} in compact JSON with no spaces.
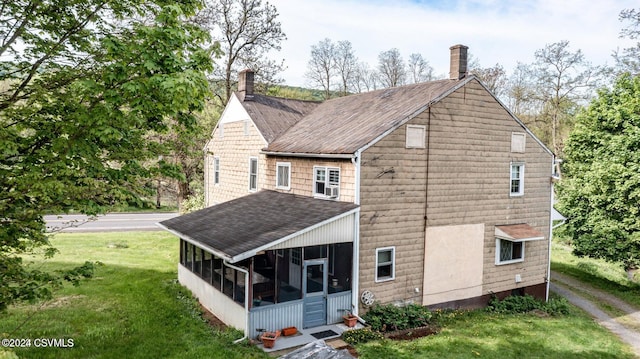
{"x":133,"y":308}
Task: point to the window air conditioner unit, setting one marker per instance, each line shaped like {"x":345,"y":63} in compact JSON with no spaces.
{"x":331,"y":192}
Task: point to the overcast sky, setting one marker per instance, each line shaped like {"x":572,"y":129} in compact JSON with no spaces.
{"x":505,"y":32}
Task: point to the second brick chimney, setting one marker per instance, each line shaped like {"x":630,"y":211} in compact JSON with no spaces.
{"x":245,"y":84}
{"x":458,"y":67}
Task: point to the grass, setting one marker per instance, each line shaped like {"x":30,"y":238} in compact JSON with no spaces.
{"x":478,"y":334}
{"x":609,"y":277}
{"x":133,"y":308}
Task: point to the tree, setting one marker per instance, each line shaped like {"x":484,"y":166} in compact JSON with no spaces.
{"x":247,"y":30}
{"x":563,"y":80}
{"x":365,"y":78}
{"x":494,"y":77}
{"x":628,"y":60}
{"x":600,"y":189}
{"x":321,"y":67}
{"x":391,"y":68}
{"x":419,"y":69}
{"x":346,"y":64}
{"x":85,"y":84}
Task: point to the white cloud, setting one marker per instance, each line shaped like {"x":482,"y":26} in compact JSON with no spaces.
{"x":495,"y":31}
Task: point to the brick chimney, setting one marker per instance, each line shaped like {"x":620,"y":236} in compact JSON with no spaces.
{"x":245,"y":84}
{"x":458,"y":67}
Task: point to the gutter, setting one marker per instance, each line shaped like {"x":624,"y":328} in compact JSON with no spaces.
{"x":246,"y":300}
{"x":306,"y":154}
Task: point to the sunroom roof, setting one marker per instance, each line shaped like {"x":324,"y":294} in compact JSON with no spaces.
{"x":238,"y":229}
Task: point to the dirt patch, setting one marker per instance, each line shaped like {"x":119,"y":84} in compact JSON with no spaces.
{"x":212,"y":319}
{"x":413,"y":333}
{"x":62,"y":301}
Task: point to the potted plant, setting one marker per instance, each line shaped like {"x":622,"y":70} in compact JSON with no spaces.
{"x":288,"y":331}
{"x":349,"y":319}
{"x":269,"y":338}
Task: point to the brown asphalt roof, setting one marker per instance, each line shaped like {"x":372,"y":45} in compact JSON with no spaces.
{"x":344,"y":125}
{"x":274,"y":115}
{"x":248,"y":223}
{"x":518,"y":232}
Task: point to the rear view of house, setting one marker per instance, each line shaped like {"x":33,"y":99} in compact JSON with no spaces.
{"x":431,"y":193}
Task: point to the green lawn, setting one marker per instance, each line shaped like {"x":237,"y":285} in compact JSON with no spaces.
{"x":133,"y":308}
{"x":607,"y":276}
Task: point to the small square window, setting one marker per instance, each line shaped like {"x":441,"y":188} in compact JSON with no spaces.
{"x":517,"y":179}
{"x":385,"y":264}
{"x":509,"y":251}
{"x":416,"y":136}
{"x":283,"y":175}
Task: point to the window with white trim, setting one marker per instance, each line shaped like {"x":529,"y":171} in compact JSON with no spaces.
{"x":283,"y":175}
{"x":385,"y":264}
{"x":326,"y":182}
{"x":509,"y":251}
{"x":253,"y":174}
{"x":416,"y":136}
{"x":517,"y":179}
{"x":216,"y":170}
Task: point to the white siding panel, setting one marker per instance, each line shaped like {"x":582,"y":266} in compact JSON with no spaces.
{"x":275,"y":317}
{"x":223,"y":307}
{"x":339,"y":231}
{"x":336,"y":304}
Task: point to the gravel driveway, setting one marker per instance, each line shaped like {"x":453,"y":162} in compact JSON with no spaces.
{"x":627,"y":326}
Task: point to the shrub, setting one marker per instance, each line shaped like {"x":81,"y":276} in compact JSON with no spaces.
{"x":527,"y":303}
{"x":386,"y":318}
{"x":363,"y":335}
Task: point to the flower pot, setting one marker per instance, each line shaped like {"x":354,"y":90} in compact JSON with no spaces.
{"x":289,"y":331}
{"x":269,"y":338}
{"x":350,"y":320}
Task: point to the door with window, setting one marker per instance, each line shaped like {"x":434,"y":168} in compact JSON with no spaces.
{"x":314,"y":288}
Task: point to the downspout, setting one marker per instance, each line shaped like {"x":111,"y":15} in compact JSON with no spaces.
{"x":246,"y":300}
{"x":355,"y":282}
{"x":553,"y":162}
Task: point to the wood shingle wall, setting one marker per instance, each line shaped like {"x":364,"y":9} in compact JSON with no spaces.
{"x":234,"y":148}
{"x":468,"y":171}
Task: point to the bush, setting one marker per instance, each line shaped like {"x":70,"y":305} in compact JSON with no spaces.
{"x":386,"y":318}
{"x":363,"y":335}
{"x":527,"y":303}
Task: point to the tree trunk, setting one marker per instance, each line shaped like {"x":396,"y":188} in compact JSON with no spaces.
{"x":183,"y":192}
{"x":159,"y":194}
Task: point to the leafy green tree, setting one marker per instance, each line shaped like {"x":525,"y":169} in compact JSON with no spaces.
{"x":600,"y":191}
{"x":83,"y":86}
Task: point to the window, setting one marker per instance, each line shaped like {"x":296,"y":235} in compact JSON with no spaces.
{"x":221,"y":130}
{"x":216,"y":170}
{"x":246,"y":127}
{"x":415,"y":136}
{"x":326,"y":182}
{"x":385,"y":264}
{"x":509,"y":251}
{"x":517,"y":179}
{"x":253,"y":174}
{"x":518,"y":142}
{"x":283,"y":175}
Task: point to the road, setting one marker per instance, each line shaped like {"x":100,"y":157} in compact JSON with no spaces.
{"x":106,"y":223}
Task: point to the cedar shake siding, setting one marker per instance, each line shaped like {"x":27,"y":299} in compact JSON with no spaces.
{"x":302,"y":175}
{"x":467,"y":161}
{"x":234,"y":149}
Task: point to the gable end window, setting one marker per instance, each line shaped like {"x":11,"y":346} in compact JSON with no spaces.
{"x":517,"y":179}
{"x":326,"y":182}
{"x":509,"y":251}
{"x":385,"y":264}
{"x":283,"y":175}
{"x":253,"y":174}
{"x":216,"y":170}
{"x":416,"y":136}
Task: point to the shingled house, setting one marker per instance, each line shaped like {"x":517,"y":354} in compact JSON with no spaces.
{"x":431,"y":193}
